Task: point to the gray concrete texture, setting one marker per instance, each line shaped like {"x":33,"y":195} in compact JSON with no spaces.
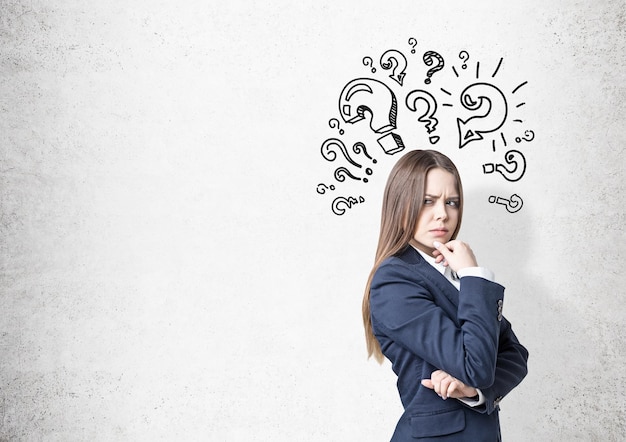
{"x":168,"y":271}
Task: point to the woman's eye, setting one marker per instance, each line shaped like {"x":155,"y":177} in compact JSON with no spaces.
{"x":427,"y":201}
{"x":453,"y":203}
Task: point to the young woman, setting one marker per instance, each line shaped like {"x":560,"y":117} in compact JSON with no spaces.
{"x":434,"y":313}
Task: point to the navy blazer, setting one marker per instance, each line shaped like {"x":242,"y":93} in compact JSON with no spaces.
{"x":423,"y":323}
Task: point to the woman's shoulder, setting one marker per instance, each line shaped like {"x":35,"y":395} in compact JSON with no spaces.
{"x":406,"y":262}
{"x":406,"y":257}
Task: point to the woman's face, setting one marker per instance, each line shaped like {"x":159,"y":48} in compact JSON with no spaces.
{"x":439,"y":216}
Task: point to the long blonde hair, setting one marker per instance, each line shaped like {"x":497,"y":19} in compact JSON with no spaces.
{"x":402,"y":202}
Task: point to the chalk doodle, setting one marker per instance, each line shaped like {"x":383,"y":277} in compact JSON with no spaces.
{"x":464,"y":56}
{"x":396,"y":61}
{"x":429,"y":57}
{"x":513,"y":204}
{"x":343,"y":201}
{"x":427,"y":117}
{"x":334,"y":123}
{"x":426,"y":99}
{"x":529,"y":135}
{"x":367,"y":61}
{"x":378,"y":100}
{"x":490,"y":105}
{"x":322,"y":188}
{"x":514,"y":158}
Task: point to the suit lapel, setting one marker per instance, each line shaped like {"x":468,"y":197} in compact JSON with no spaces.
{"x":412,"y":256}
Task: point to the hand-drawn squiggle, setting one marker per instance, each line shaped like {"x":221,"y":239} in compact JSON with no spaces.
{"x":342,"y":172}
{"x":334,"y":123}
{"x":514,"y":157}
{"x":348,"y":202}
{"x":359,"y":147}
{"x":491,"y":102}
{"x":431,"y":107}
{"x":330,"y":155}
{"x":529,"y":135}
{"x":514,"y":204}
{"x":321,"y":188}
{"x":368,"y":95}
{"x":396,"y":60}
{"x":429,"y":56}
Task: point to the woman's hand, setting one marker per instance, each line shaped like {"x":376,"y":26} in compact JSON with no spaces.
{"x":456,"y":254}
{"x":447,"y":386}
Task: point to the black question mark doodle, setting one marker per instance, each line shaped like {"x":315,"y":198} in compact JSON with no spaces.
{"x":429,"y":56}
{"x":513,"y":204}
{"x":527,"y":133}
{"x":514,"y":157}
{"x":492,"y":102}
{"x":342,"y":172}
{"x":396,"y":60}
{"x":366,"y":94}
{"x":321,"y":188}
{"x":464,"y":56}
{"x":330,"y":155}
{"x":348,"y":202}
{"x":358,"y":147}
{"x":367,"y":61}
{"x":334,"y":123}
{"x":413,"y":43}
{"x":428,"y":116}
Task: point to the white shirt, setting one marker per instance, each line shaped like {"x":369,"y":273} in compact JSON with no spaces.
{"x":481,"y":272}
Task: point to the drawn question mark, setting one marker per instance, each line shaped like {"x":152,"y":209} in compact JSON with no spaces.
{"x":396,"y":60}
{"x":429,"y":57}
{"x":527,"y":133}
{"x":363,"y":95}
{"x":428,"y":116}
{"x":348,"y":202}
{"x":513,"y":204}
{"x":464,"y":56}
{"x":321,"y":188}
{"x":413,"y":43}
{"x":358,"y":147}
{"x":334,"y":123}
{"x":341,"y":173}
{"x":490,"y":101}
{"x":514,"y":158}
{"x":330,"y":154}
{"x":367,"y":61}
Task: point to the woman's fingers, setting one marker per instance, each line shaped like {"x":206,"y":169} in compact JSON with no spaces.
{"x":457,"y":254}
{"x":447,"y":386}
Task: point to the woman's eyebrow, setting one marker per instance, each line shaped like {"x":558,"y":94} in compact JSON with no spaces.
{"x":454,"y":197}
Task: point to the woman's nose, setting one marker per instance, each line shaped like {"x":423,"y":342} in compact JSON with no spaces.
{"x":441,"y":212}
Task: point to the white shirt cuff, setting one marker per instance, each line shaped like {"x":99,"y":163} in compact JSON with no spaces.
{"x":480,"y":272}
{"x":474,"y":403}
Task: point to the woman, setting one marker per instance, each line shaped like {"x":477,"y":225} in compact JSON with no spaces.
{"x":434,"y":313}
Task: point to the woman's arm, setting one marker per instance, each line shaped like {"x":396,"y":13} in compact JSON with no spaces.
{"x":511,"y":368}
{"x":404,"y":309}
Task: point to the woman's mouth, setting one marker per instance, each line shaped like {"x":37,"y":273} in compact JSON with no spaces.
{"x":439,"y":232}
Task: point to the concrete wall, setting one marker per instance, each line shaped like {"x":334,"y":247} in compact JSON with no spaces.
{"x":169,"y":271}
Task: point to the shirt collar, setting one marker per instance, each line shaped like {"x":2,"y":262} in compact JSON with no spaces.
{"x":431,"y":260}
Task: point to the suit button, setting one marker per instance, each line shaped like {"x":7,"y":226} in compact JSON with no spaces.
{"x":500,"y":303}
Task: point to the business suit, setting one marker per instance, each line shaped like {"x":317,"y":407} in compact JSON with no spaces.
{"x":423,"y":323}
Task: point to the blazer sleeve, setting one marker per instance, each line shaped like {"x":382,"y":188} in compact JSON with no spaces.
{"x":403,"y":309}
{"x":511,"y":368}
